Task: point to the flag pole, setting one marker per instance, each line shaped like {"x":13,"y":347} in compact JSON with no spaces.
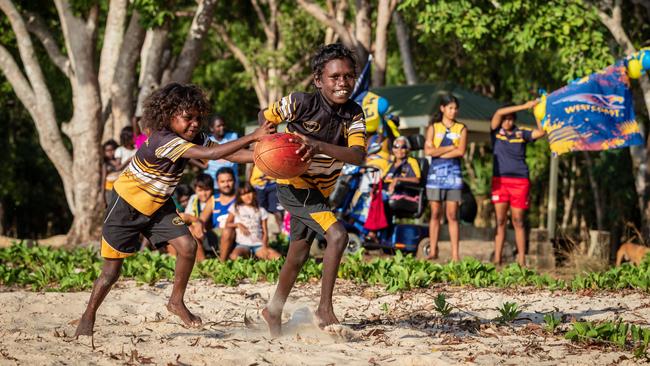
{"x":552,"y":196}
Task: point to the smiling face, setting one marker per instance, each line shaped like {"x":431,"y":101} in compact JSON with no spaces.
{"x":400,"y":150}
{"x":337,"y":81}
{"x":202,"y":194}
{"x":186,"y":124}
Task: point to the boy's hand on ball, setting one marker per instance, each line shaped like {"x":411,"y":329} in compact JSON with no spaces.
{"x":266,"y":128}
{"x":308,"y":148}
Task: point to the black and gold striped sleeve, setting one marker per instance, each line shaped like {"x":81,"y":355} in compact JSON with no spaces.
{"x":357,"y":131}
{"x":286,"y":109}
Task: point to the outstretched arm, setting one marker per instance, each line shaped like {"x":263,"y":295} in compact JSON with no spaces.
{"x":229,"y":148}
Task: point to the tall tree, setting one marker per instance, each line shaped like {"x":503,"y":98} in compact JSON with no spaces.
{"x":358,"y":35}
{"x":79,"y":24}
{"x":274,"y":48}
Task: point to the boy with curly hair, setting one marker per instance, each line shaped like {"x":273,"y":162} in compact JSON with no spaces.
{"x":142,"y":203}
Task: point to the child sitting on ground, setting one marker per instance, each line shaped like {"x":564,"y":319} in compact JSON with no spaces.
{"x":249,"y":221}
{"x":198,"y":202}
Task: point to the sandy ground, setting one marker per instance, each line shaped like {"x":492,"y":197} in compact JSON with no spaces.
{"x":133,"y":327}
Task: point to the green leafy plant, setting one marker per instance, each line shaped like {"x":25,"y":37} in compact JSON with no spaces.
{"x":509,"y":311}
{"x":442,"y":306}
{"x":623,"y":335}
{"x":552,"y":321}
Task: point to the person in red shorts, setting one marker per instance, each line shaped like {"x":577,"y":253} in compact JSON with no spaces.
{"x":510,"y":183}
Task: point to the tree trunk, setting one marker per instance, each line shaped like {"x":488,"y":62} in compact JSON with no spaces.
{"x":153,"y":62}
{"x":125,"y":81}
{"x":84,"y":129}
{"x":194,"y":42}
{"x":113,"y":35}
{"x":33,"y":93}
{"x":384,"y":10}
{"x":403,"y":40}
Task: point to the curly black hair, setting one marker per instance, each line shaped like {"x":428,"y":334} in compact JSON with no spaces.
{"x":327,"y":53}
{"x":171,"y":99}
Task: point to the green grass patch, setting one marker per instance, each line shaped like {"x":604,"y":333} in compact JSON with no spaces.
{"x":44,"y":268}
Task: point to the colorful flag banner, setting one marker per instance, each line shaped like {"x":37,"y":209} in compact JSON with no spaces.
{"x":592,"y":113}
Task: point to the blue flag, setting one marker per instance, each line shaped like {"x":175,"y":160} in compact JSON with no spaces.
{"x":593,"y":113}
{"x":363,"y":83}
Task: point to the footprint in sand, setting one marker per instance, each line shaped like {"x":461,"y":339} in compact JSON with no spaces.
{"x":342,"y":332}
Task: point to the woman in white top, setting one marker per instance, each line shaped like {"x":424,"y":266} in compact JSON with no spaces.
{"x":249,"y":222}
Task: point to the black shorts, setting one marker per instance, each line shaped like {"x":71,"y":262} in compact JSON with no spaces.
{"x":123,"y":225}
{"x":310,"y":212}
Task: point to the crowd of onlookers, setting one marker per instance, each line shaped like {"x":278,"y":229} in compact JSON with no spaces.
{"x":229,"y":218}
{"x":226,"y":218}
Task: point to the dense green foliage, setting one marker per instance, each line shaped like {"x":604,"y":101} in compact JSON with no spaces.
{"x":43,"y":268}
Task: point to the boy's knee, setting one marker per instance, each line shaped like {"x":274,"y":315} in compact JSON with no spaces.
{"x":186,"y":246}
{"x":337,"y":236}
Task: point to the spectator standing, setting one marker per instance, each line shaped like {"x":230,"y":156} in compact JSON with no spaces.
{"x":510,"y":182}
{"x":446,"y":141}
{"x":218,"y":134}
{"x":126,"y":150}
{"x":110,"y":171}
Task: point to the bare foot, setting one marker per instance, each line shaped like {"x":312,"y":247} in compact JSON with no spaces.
{"x":181,"y":310}
{"x":325,"y":318}
{"x":274,"y":321}
{"x":85,"y":326}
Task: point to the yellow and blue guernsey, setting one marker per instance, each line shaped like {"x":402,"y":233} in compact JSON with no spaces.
{"x":445,"y":173}
{"x":311,"y":115}
{"x":155,"y":170}
{"x":509,"y":151}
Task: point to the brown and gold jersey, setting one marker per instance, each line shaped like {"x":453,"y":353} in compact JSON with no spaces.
{"x":155,"y":170}
{"x":311,"y":115}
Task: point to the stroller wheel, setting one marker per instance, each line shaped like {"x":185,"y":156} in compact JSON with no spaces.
{"x":424,"y":249}
{"x":354,"y":244}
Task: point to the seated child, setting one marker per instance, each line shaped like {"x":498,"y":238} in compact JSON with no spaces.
{"x":110,"y":171}
{"x":249,"y":222}
{"x":191,"y":216}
